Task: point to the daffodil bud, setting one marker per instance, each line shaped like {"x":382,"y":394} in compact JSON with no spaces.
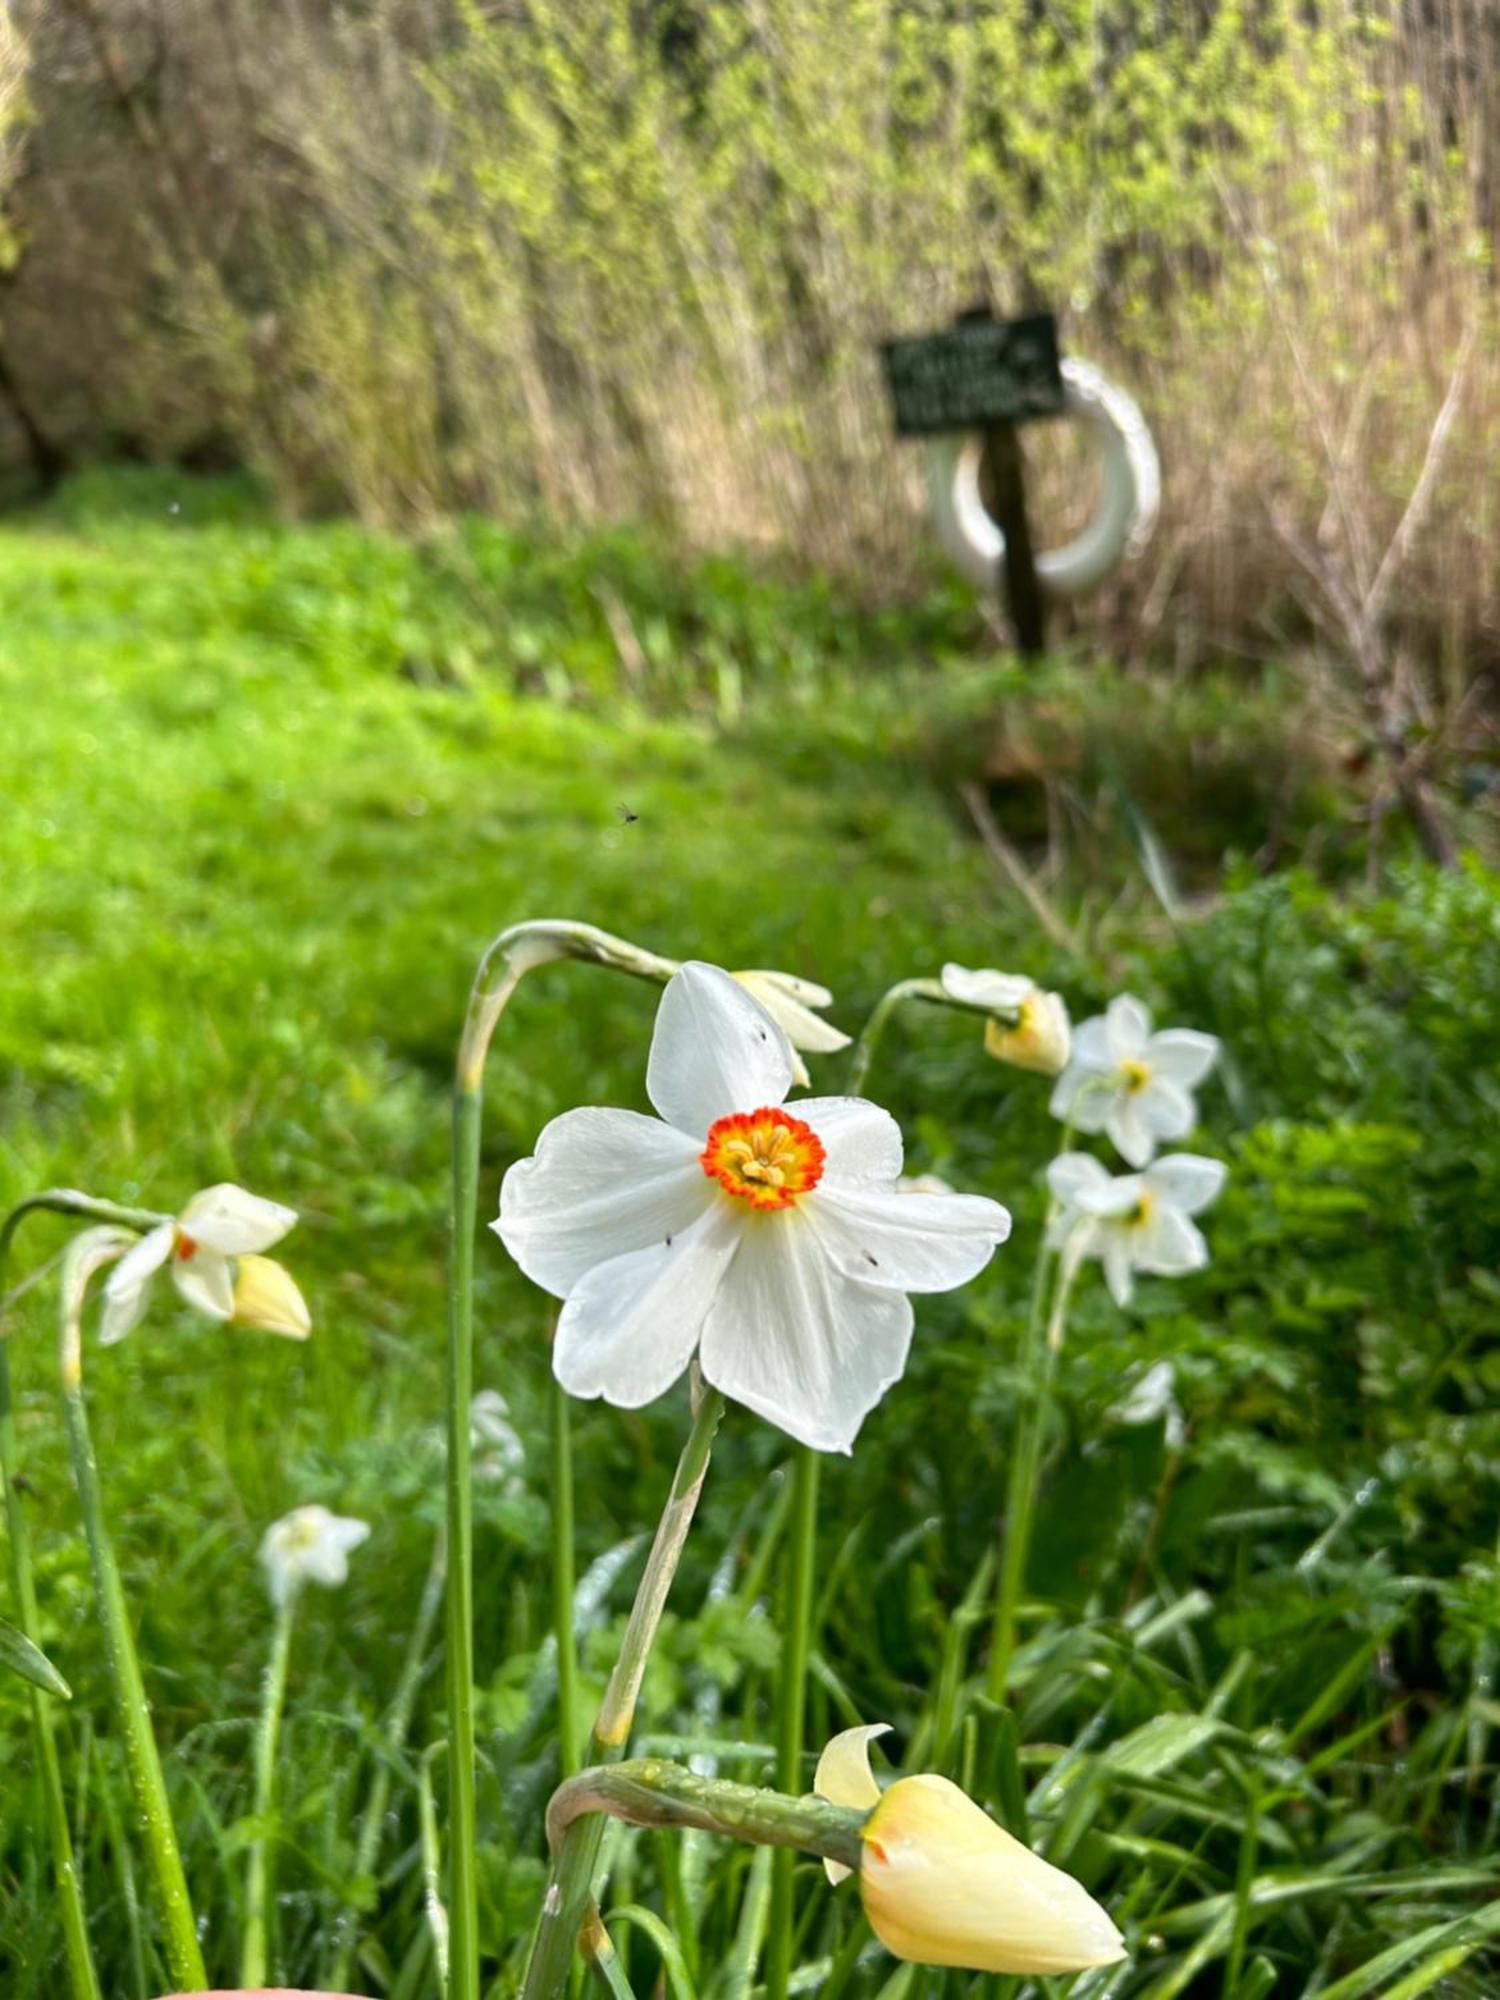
{"x":790,"y":1002}
{"x":942,"y":1884}
{"x":266,"y":1299}
{"x":1041,"y":1040}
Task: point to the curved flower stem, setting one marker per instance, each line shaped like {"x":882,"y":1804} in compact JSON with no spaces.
{"x":931,"y":990}
{"x":577,"y":1851}
{"x":513,"y":954}
{"x":83,"y":1980}
{"x":398,"y":1721}
{"x":649,"y":1791}
{"x":880,"y":1014}
{"x":792,"y":1692}
{"x":267,"y":1738}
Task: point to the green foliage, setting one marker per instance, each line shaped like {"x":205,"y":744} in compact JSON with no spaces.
{"x":250,"y":858}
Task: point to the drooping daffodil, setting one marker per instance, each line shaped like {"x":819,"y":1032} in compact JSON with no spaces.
{"x":774,"y":1242}
{"x":213,"y":1249}
{"x":1133,"y":1222}
{"x":1027,"y":1028}
{"x":309,"y":1545}
{"x":791,"y":1002}
{"x":1134,"y":1085}
{"x":942,"y":1884}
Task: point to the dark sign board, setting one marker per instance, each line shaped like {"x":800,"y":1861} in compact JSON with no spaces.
{"x":981,"y":371}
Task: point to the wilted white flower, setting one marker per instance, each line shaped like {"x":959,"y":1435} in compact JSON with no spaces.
{"x":790,"y":1002}
{"x":1027,"y":1028}
{"x":1132,"y":1084}
{"x":309,"y":1545}
{"x":218,"y":1227}
{"x":778,"y":1246}
{"x":1134,"y":1222}
{"x":942,"y":1884}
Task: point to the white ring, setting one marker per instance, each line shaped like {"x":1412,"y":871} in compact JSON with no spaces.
{"x":1129,"y":492}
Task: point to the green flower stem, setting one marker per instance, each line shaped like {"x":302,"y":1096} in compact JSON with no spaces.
{"x":83,"y":1981}
{"x":513,"y":954}
{"x":792,"y":1700}
{"x":576,"y":1852}
{"x":649,"y":1791}
{"x":267,"y":1740}
{"x":563,"y":1577}
{"x":133,"y":1712}
{"x":398,"y":1721}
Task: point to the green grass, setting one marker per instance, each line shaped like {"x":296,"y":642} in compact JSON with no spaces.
{"x":268,"y":793}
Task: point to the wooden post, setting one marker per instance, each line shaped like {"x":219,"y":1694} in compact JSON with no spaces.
{"x":1004,"y":474}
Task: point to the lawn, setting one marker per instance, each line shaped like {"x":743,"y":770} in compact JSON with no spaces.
{"x":269,"y":791}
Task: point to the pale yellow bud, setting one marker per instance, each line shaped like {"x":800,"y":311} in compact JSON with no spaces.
{"x":790,"y":1002}
{"x":266,"y":1299}
{"x":944,"y":1885}
{"x":1042,"y":1039}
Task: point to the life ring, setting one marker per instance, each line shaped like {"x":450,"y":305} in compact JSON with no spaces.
{"x":1129,"y":492}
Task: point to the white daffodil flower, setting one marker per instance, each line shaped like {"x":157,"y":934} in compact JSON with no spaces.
{"x":217,"y":1227}
{"x":1028,"y":1028}
{"x":309,"y":1545}
{"x":1133,"y":1222}
{"x":942,"y":1884}
{"x":790,"y":1002}
{"x":1136,"y":1086}
{"x":775,"y":1243}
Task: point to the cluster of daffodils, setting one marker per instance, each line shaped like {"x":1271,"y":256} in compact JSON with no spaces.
{"x":773,"y":1242}
{"x":215,"y":1252}
{"x":1135,"y":1087}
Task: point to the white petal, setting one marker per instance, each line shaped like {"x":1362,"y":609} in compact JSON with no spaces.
{"x":861,"y":1143}
{"x":844,"y":1777}
{"x":601,"y":1183}
{"x":1091,"y":1045}
{"x":1165,"y":1109}
{"x":715,"y":1050}
{"x":1170,"y":1244}
{"x":1183,"y":1055}
{"x":1186,"y":1180}
{"x":908,"y":1242}
{"x":128,"y":1286}
{"x":630,"y":1326}
{"x":1118,"y":1266}
{"x":1079,"y":1099}
{"x":227,"y":1218}
{"x":327,"y":1559}
{"x":1128,"y":1026}
{"x":1073,"y":1176}
{"x":793,"y":1339}
{"x":1128,"y":1130}
{"x":206,"y":1281}
{"x":1001,"y":992}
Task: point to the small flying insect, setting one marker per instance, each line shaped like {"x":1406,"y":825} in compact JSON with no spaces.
{"x":625,"y":815}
